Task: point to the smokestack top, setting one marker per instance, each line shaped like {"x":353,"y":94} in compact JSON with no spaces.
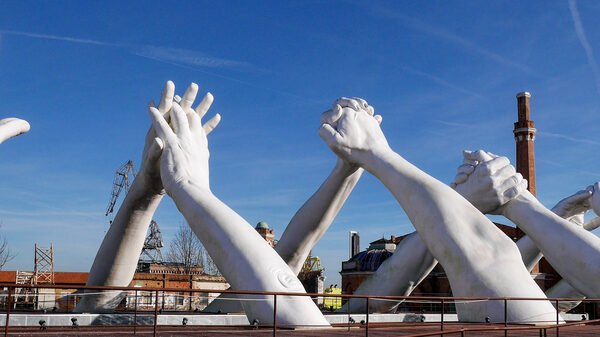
{"x":523,"y":94}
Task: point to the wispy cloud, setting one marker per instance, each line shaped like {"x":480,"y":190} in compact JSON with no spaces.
{"x":584,"y":42}
{"x":441,"y":81}
{"x":183,"y":58}
{"x":188,"y":57}
{"x":444,"y":34}
{"x":569,"y":138}
{"x":60,"y":38}
{"x":157,"y":53}
{"x":454,"y":124}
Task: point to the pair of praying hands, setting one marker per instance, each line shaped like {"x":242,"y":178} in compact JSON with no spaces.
{"x":176,"y":147}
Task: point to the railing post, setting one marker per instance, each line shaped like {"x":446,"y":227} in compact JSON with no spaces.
{"x":274,"y":315}
{"x":155,"y":312}
{"x":367,"y":319}
{"x":557,"y":328}
{"x":135,"y":304}
{"x":505,"y":317}
{"x":8,"y":298}
{"x":348,"y":312}
{"x":442,"y":315}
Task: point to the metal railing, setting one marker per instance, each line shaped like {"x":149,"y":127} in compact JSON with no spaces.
{"x":154,"y":302}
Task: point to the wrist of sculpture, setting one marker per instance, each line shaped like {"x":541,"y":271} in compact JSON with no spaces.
{"x":344,"y":168}
{"x":512,"y":208}
{"x":188,"y":187}
{"x":147,"y":186}
{"x":372,"y":160}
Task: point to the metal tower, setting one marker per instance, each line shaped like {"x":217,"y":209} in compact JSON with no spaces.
{"x":43,"y":268}
{"x":153,"y":244}
{"x":124,"y":176}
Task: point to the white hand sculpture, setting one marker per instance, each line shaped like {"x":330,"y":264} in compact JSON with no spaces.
{"x":332,"y":116}
{"x":354,"y":134}
{"x":185,"y":175}
{"x":117,"y":257}
{"x":573,"y":207}
{"x":490,"y":184}
{"x":12,"y":127}
{"x":466,"y":243}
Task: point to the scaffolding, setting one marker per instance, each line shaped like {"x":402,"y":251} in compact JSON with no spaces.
{"x":43,"y":271}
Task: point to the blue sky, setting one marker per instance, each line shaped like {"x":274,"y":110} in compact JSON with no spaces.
{"x":443,"y":74}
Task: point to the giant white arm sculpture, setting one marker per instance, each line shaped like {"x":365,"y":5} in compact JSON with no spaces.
{"x":12,"y":127}
{"x":570,"y":249}
{"x":310,"y":222}
{"x":117,"y":257}
{"x":478,"y":258}
{"x":249,"y":264}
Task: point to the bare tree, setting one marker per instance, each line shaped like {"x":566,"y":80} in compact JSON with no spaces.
{"x":186,"y":250}
{"x":5,"y":253}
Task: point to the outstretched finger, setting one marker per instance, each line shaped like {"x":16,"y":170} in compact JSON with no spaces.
{"x":166,"y":99}
{"x":211,"y":124}
{"x":179,"y":120}
{"x":190,"y":95}
{"x":162,"y":128}
{"x":203,"y":107}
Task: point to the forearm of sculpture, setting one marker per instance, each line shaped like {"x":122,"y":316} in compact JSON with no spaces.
{"x":228,"y":238}
{"x":316,"y":215}
{"x":448,"y":217}
{"x":530,"y":253}
{"x":117,"y":258}
{"x":570,"y":249}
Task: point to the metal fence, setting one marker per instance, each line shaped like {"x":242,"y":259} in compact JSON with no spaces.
{"x":149,"y":311}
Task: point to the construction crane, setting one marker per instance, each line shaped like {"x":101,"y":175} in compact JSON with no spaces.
{"x":121,"y":182}
{"x":123,"y":178}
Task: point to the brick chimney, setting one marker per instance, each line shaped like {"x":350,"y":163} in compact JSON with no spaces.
{"x":524,"y":137}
